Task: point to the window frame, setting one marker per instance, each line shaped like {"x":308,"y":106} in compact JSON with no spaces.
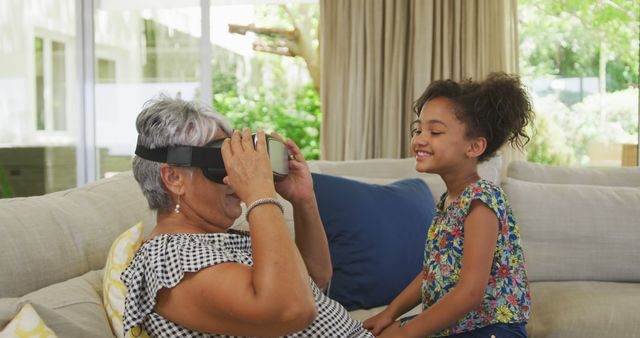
{"x":48,"y":38}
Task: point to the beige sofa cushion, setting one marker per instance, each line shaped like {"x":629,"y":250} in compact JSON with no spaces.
{"x":584,"y":309}
{"x":577,"y":232}
{"x":393,"y":168}
{"x":526,"y":171}
{"x":572,"y":310}
{"x":71,"y":309}
{"x":52,"y":238}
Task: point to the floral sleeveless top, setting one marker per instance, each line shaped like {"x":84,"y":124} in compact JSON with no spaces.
{"x":506,"y":298}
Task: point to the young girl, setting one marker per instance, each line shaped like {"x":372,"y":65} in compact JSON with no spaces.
{"x":474,"y":282}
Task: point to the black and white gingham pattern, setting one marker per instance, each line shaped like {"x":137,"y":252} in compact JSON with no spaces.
{"x":162,"y":262}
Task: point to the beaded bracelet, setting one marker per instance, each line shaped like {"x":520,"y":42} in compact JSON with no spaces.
{"x":261,"y":201}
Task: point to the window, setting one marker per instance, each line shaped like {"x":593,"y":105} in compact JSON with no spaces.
{"x":141,"y":49}
{"x":105,"y":71}
{"x":272,"y":80}
{"x":51,"y":84}
{"x":39,"y":62}
{"x":58,"y":86}
{"x":582,"y":73}
{"x":38,"y":114}
{"x":161,"y":54}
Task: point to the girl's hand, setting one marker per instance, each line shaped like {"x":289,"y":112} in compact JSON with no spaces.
{"x":378,"y":323}
{"x":248,"y":168}
{"x":392,"y":331}
{"x":298,"y":186}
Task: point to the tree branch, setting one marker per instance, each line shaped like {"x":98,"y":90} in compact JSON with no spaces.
{"x":278,"y":50}
{"x":242,"y":29}
{"x":621,"y":9}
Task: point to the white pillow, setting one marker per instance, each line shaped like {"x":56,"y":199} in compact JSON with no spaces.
{"x":577,"y":232}
{"x":393,"y":168}
{"x":533,"y":172}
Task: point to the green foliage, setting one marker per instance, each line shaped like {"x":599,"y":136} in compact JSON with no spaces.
{"x":224,"y":77}
{"x":565,"y":37}
{"x":296,"y":117}
{"x":564,"y":133}
{"x":548,"y":144}
{"x":621,"y":76}
{"x":619,"y":115}
{"x":269,"y":95}
{"x":5,"y":187}
{"x":283,"y":16}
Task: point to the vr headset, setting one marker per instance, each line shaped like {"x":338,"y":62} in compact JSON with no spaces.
{"x":209,"y":157}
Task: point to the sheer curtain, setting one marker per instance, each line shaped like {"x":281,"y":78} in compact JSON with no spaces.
{"x":378,"y":56}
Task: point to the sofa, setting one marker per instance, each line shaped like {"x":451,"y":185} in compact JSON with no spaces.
{"x":580,"y":232}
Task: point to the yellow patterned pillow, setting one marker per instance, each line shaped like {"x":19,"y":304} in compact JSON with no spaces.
{"x":113,"y":289}
{"x":25,"y":324}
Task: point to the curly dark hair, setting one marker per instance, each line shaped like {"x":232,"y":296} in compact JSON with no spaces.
{"x":497,"y":109}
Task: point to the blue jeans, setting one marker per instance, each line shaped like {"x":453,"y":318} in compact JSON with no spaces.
{"x":512,"y":330}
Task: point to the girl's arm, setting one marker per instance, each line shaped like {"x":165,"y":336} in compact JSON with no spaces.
{"x":480,"y":236}
{"x":409,"y":298}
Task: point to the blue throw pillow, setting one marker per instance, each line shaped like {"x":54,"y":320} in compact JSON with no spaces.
{"x":376,"y":236}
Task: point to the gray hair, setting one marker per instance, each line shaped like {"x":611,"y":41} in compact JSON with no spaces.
{"x":164,"y":122}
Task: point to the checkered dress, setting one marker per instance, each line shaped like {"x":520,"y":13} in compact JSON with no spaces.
{"x":162,"y":261}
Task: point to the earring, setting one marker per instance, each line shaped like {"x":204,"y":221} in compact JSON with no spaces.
{"x":177,"y":208}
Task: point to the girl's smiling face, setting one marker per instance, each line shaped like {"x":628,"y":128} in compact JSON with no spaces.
{"x":438,"y":138}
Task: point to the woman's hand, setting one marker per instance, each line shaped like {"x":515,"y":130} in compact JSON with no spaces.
{"x":248,"y":168}
{"x":378,"y":323}
{"x":297,"y":187}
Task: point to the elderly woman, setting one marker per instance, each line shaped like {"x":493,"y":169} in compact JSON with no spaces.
{"x":193,"y":277}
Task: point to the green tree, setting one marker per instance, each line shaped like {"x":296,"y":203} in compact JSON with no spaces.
{"x":297,"y":118}
{"x":5,"y":187}
{"x":224,"y":79}
{"x":288,"y":30}
{"x":291,"y":109}
{"x":564,"y":133}
{"x":581,"y":38}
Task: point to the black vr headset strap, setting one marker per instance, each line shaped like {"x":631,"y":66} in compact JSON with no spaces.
{"x":155,"y":155}
{"x":186,"y":156}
